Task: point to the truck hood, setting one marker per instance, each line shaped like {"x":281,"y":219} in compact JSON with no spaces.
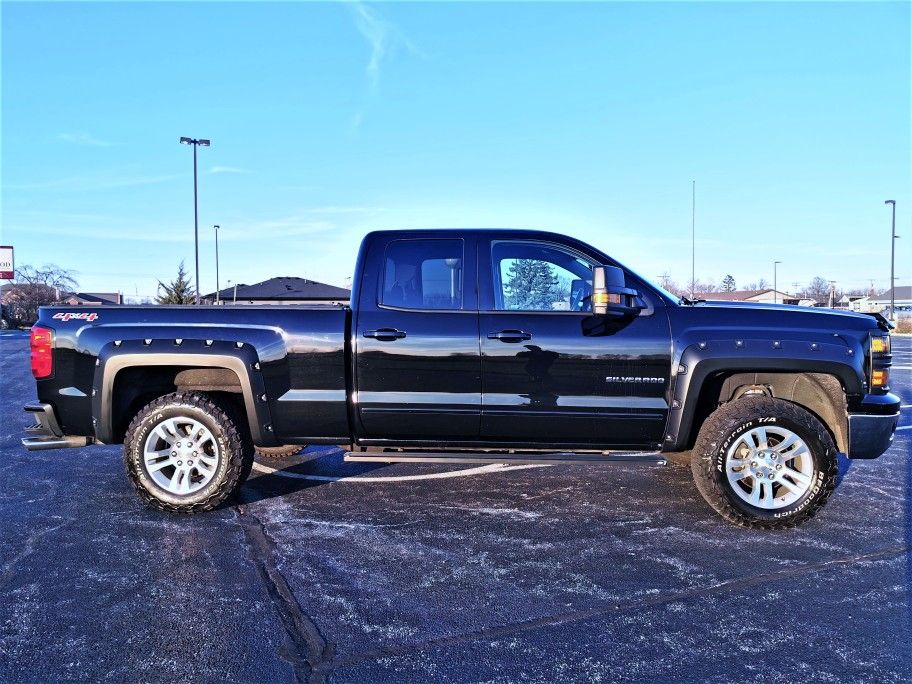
{"x":789,"y":315}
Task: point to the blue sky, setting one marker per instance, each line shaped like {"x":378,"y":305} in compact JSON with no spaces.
{"x":330,"y":120}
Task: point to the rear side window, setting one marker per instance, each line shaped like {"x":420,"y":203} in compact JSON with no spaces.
{"x":423,"y":274}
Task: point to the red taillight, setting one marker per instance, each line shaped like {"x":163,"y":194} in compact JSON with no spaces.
{"x":42,"y":344}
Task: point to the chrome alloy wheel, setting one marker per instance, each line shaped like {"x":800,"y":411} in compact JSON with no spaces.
{"x":181,"y":455}
{"x":769,"y":467}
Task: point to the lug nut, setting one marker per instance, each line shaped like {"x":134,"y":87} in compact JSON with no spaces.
{"x":178,"y":444}
{"x":772,"y":475}
{"x":189,"y":462}
{"x":753,"y":464}
{"x":174,"y":453}
{"x":778,"y":466}
{"x":180,"y":463}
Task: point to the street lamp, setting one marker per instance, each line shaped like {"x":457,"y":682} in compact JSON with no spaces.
{"x":217,"y":299}
{"x":775,"y":290}
{"x":893,"y":237}
{"x":196,"y":143}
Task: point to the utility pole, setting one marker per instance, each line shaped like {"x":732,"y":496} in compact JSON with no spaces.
{"x":775,"y":290}
{"x":893,"y":237}
{"x":217,"y":297}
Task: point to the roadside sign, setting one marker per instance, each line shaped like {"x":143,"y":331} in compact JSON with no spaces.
{"x":7,"y":269}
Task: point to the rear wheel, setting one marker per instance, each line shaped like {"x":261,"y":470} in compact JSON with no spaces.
{"x":279,"y":451}
{"x":764,"y":462}
{"x":184,"y":453}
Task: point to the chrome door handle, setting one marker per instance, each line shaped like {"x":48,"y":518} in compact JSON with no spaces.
{"x":384,"y":334}
{"x":510,"y":336}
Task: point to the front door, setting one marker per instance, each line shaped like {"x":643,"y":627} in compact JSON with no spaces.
{"x":418,"y":362}
{"x":554,"y":374}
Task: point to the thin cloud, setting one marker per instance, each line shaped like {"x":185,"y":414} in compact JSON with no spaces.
{"x":86,"y":184}
{"x":84,"y":139}
{"x":227,"y":169}
{"x":382,"y":36}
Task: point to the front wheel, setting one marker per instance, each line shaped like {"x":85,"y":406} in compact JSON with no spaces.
{"x":184,"y":453}
{"x":764,"y":462}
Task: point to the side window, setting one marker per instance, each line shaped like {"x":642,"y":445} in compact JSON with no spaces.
{"x":535,"y":276}
{"x":423,"y":274}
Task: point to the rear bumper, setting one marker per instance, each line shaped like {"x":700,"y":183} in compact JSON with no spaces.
{"x":870,"y":435}
{"x":46,"y":432}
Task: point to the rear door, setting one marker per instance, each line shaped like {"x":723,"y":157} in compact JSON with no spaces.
{"x":554,"y":374}
{"x":417,"y":355}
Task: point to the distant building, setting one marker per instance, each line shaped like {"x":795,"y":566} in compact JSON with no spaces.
{"x":92,"y":298}
{"x":902,"y":294}
{"x":766,"y":296}
{"x":282,"y":290}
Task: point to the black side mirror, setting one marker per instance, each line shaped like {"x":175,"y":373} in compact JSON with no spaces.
{"x":610,"y":294}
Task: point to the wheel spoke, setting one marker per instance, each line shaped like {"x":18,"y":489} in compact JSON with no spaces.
{"x":152,"y":455}
{"x":762,"y":438}
{"x":795,"y":453}
{"x":755,"y":493}
{"x":748,"y":439}
{"x":787,"y":443}
{"x":768,"y":494}
{"x":791,"y":486}
{"x":800,"y":478}
{"x":154,"y":467}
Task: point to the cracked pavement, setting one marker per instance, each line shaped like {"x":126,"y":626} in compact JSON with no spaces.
{"x":588,"y":573}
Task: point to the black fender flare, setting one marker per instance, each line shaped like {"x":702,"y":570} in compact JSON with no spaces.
{"x":795,"y":353}
{"x":239,"y":357}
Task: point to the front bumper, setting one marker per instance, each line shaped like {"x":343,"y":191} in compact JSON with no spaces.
{"x":870,"y":435}
{"x":46,"y":432}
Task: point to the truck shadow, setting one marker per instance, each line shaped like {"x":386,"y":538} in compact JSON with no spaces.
{"x":271,"y":478}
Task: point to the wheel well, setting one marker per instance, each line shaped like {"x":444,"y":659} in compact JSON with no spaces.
{"x":819,"y":393}
{"x":137,"y":386}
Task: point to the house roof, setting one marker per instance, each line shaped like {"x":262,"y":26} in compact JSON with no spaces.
{"x":737,"y":295}
{"x":286,"y":287}
{"x":900,"y":293}
{"x":97,"y":297}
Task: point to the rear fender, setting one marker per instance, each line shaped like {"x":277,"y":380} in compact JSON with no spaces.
{"x":238,"y":357}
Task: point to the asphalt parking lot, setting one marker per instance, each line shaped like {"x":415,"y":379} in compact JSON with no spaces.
{"x":327,"y":571}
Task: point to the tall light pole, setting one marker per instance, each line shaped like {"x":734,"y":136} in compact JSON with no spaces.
{"x":693,"y":238}
{"x":893,"y":237}
{"x":217,"y":299}
{"x":775,"y":280}
{"x":196,"y":143}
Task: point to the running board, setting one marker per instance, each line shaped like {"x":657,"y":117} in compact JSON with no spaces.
{"x":645,"y":458}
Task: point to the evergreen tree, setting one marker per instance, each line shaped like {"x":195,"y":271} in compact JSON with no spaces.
{"x":728,"y":283}
{"x":531,"y":286}
{"x":178,"y":291}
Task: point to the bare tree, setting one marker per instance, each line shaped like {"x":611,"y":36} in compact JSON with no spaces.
{"x":818,"y":290}
{"x":35,"y":287}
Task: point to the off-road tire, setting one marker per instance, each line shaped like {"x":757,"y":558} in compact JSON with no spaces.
{"x":235,"y":452}
{"x":283,"y":451}
{"x":735,"y":418}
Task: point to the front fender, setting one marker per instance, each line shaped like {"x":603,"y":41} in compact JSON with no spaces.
{"x":700,"y":360}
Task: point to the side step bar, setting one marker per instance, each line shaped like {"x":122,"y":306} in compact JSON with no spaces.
{"x":46,"y":431}
{"x":645,"y":458}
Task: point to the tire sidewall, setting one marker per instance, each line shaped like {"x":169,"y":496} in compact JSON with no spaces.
{"x":816,"y":447}
{"x":136,"y":450}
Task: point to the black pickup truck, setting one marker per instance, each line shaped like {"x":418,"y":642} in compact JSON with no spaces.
{"x":465,"y":346}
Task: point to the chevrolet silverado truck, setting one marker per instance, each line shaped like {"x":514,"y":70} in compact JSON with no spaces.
{"x":468,"y":346}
